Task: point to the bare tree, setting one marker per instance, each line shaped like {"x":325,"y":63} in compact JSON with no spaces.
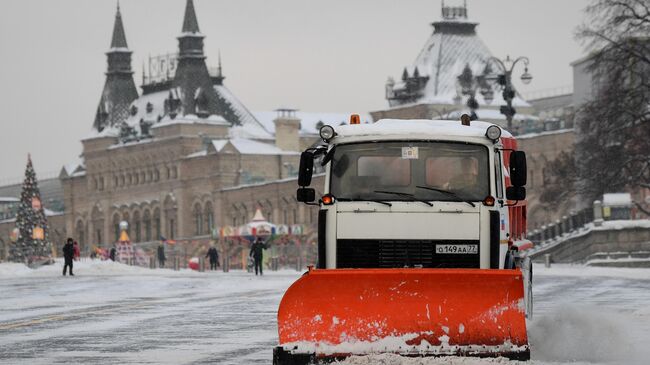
{"x":613,"y":145}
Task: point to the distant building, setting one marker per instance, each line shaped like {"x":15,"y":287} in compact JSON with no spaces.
{"x":186,"y":156}
{"x":428,"y":88}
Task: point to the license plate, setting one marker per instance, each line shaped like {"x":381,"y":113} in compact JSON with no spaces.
{"x":457,"y":249}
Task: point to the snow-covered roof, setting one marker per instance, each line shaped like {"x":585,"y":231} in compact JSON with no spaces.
{"x":250,"y":126}
{"x":250,"y":147}
{"x":5,"y":199}
{"x":74,"y":168}
{"x":309,"y":120}
{"x":453,"y":45}
{"x":617,"y":199}
{"x":417,"y":128}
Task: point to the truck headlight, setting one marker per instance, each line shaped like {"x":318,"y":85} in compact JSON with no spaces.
{"x":493,"y":133}
{"x":327,"y":132}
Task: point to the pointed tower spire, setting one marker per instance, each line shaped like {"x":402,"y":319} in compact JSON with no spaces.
{"x":119,"y":88}
{"x":190,"y":24}
{"x":192,"y":76}
{"x":119,"y":38}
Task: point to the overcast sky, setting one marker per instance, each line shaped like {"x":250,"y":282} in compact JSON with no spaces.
{"x":320,"y":56}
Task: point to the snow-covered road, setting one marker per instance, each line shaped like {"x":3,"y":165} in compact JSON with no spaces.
{"x":115,"y":314}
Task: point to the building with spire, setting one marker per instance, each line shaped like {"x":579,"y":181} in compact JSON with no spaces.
{"x":428,"y":88}
{"x":119,"y":89}
{"x":186,"y":156}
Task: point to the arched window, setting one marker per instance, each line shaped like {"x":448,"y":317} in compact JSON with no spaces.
{"x":137,"y":227}
{"x":116,"y":226}
{"x":156,"y":223}
{"x":80,"y":232}
{"x":142,"y":177}
{"x":156,"y":175}
{"x":198,"y":219}
{"x":209,"y":218}
{"x":146,"y":221}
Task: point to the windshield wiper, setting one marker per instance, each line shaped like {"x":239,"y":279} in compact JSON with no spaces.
{"x":413,"y":198}
{"x":365,"y":200}
{"x":449,"y":193}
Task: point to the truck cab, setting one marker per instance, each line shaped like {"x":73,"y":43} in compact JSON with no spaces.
{"x":417,"y":193}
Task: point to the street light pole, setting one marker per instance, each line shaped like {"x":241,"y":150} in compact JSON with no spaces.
{"x":467,"y":84}
{"x":504,"y":79}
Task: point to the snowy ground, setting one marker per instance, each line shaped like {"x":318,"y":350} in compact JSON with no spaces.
{"x":115,"y":314}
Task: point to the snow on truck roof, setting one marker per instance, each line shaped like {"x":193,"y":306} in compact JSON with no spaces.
{"x":417,"y":128}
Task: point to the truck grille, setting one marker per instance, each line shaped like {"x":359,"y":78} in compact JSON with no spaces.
{"x":367,"y":254}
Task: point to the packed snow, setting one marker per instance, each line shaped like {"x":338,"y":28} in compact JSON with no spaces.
{"x":113,"y":313}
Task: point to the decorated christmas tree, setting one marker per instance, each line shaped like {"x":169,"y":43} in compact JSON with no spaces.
{"x":31,"y":224}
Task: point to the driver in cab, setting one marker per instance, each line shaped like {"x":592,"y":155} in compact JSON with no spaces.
{"x":465,"y":179}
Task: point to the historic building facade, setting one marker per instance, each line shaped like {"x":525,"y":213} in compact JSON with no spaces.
{"x":184,"y":157}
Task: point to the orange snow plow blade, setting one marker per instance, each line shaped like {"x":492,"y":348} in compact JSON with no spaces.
{"x":413,"y":312}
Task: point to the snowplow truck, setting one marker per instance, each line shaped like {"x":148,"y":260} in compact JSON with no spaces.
{"x":420,"y":228}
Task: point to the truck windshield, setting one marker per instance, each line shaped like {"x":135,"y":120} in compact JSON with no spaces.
{"x":366,"y":171}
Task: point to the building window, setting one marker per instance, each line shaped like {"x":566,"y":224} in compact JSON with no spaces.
{"x":295,"y":216}
{"x":156,"y":222}
{"x":172,"y":232}
{"x":101,"y":183}
{"x":138,"y":237}
{"x":174,"y":172}
{"x":156,"y":175}
{"x":198,"y":220}
{"x":209,"y":218}
{"x":147,"y":226}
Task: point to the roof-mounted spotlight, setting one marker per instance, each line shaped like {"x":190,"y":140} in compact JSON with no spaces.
{"x":493,"y":133}
{"x":327,"y":133}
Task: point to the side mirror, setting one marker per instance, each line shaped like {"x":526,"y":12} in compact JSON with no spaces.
{"x":516,"y":193}
{"x":518,"y":168}
{"x":306,"y":168}
{"x":305,"y":195}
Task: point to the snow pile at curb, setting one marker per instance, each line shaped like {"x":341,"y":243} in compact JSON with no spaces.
{"x":592,"y":271}
{"x":85,"y":268}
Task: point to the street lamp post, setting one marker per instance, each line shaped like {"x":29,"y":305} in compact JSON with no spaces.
{"x":504,"y":79}
{"x":468,"y":84}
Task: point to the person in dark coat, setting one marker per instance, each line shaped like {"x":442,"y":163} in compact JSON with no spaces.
{"x":257,"y":254}
{"x":68,"y":256}
{"x":214,"y":257}
{"x":112,"y":253}
{"x":161,"y":256}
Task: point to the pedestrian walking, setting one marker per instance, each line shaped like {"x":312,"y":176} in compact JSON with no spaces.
{"x":68,"y":256}
{"x":77,"y":252}
{"x":161,"y":255}
{"x":112,"y":253}
{"x":257,"y":254}
{"x":213,"y":254}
